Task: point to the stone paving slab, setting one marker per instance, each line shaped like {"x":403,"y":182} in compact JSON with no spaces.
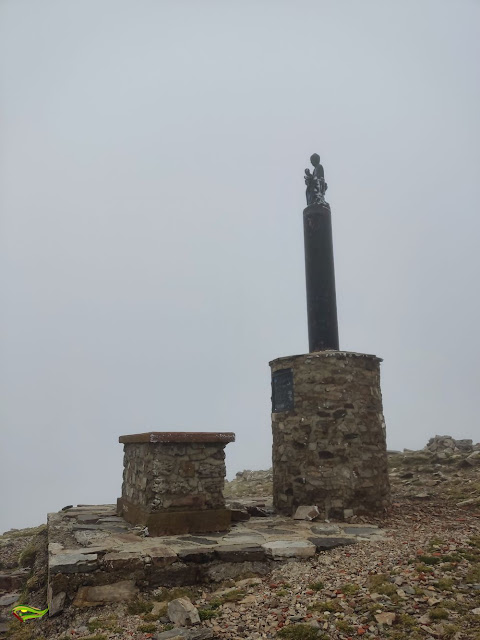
{"x":289,"y":549}
{"x":325,"y":543}
{"x":90,"y":546}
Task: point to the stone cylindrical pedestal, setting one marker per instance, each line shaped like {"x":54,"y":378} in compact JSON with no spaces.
{"x":173,"y":482}
{"x":329,"y":446}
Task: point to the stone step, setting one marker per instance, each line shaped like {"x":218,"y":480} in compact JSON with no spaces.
{"x":112,"y":558}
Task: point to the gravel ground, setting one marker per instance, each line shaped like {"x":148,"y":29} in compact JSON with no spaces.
{"x":421,"y":581}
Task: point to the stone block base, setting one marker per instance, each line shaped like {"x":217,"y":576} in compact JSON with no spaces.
{"x":96,"y":558}
{"x":173,"y":481}
{"x":175,"y":522}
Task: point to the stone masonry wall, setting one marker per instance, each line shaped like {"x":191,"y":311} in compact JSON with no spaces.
{"x":174,"y":476}
{"x":330,"y":449}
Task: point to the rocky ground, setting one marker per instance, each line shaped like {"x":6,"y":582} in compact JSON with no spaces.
{"x":421,"y":581}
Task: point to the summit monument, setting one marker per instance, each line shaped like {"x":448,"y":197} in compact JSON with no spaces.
{"x":329,"y":440}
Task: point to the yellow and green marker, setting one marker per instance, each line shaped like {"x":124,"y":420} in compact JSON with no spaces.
{"x":22,"y":612}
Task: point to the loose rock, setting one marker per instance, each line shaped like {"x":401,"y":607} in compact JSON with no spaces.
{"x":182,"y":612}
{"x":307,"y":513}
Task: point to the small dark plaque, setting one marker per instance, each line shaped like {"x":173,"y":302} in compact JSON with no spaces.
{"x":282,"y":390}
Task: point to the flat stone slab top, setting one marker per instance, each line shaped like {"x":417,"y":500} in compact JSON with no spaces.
{"x":89,"y":546}
{"x":178,"y":436}
{"x":328,"y":353}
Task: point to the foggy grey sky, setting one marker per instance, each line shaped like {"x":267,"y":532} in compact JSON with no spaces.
{"x":151,"y":194}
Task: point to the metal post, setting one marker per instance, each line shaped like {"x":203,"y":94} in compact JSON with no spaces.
{"x":320,"y":278}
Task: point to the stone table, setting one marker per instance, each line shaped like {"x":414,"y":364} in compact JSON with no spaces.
{"x":173,"y":482}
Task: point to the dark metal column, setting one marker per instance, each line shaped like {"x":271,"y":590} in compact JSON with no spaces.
{"x":320,"y":278}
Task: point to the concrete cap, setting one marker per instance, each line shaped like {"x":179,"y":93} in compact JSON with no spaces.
{"x":179,"y":436}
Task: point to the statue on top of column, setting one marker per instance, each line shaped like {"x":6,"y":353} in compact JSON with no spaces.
{"x":316,"y":185}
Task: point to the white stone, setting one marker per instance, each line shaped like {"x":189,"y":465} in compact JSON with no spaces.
{"x":289,"y":549}
{"x":182,"y":612}
{"x":306,"y":513}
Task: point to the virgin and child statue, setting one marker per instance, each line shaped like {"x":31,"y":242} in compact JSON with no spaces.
{"x":316,"y":185}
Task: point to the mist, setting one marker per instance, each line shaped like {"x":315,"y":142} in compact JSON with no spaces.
{"x":151,"y":197}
